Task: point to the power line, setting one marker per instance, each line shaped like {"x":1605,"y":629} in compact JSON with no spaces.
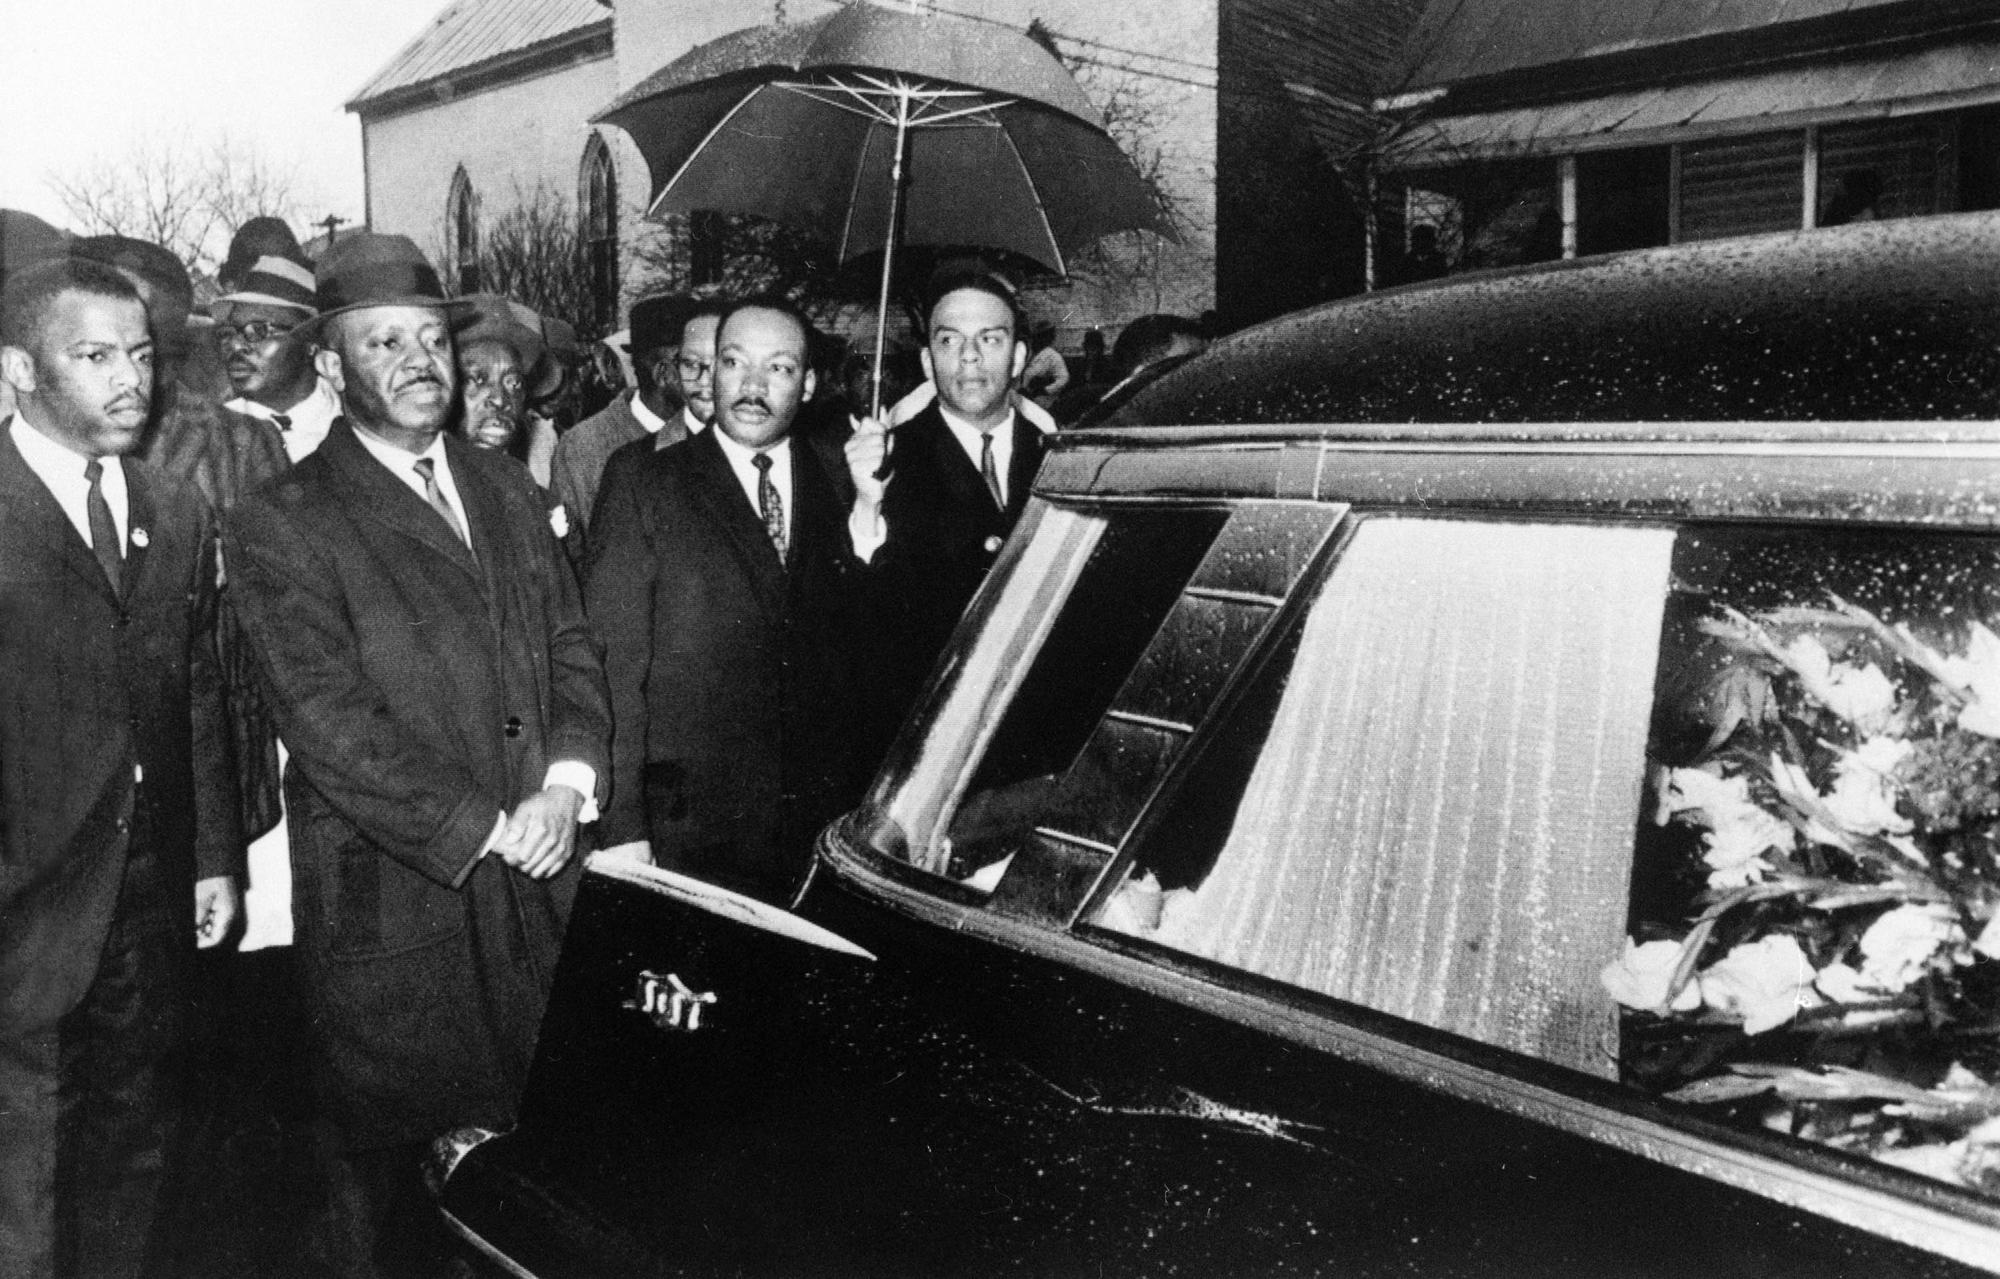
{"x":1108,"y":48}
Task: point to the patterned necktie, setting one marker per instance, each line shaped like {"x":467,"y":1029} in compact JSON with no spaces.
{"x":988,"y":472}
{"x":427,"y":468}
{"x":769,"y":504}
{"x":103,"y":531}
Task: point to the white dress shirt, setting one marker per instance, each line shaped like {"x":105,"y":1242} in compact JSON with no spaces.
{"x":61,"y":469}
{"x":575,"y":774}
{"x":654,"y":423}
{"x":310,"y":419}
{"x":403,"y":465}
{"x":968,"y":435}
{"x":747,"y":474}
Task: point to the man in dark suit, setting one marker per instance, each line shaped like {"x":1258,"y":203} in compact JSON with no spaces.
{"x":116,"y":797}
{"x":444,"y":702}
{"x":958,"y":475}
{"x":673,"y":355}
{"x":722,"y":580}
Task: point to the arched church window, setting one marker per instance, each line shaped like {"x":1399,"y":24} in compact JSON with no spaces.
{"x":598,"y":200}
{"x":461,"y":217}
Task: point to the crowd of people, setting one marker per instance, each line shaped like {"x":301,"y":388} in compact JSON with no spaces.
{"x":332,"y":569}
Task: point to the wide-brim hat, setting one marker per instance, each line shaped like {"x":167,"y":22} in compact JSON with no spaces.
{"x":272,"y":281}
{"x":659,"y":321}
{"x":366,"y":270}
{"x":25,"y":240}
{"x":489,"y":317}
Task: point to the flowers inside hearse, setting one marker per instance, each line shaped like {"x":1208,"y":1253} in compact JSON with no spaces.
{"x":1832,"y":966}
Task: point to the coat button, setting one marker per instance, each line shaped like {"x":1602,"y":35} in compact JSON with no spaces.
{"x":992,"y":545}
{"x":512,"y":727}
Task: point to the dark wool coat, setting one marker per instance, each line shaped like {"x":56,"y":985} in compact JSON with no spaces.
{"x":944,"y":532}
{"x":94,"y":685}
{"x":733,"y":676}
{"x":423,"y":690}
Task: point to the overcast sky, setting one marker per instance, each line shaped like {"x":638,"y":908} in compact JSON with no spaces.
{"x":83,"y":78}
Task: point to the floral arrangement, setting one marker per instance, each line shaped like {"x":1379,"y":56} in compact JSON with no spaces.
{"x":1839,"y":977}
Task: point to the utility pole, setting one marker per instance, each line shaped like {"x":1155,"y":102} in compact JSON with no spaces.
{"x":330,"y":221}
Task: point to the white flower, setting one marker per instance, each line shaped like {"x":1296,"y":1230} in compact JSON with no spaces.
{"x":1977,"y":674}
{"x":559,"y":520}
{"x":1898,"y":947}
{"x":1844,"y":984}
{"x":1735,"y":848}
{"x":1863,"y":798}
{"x":1861,"y":695}
{"x":140,"y":538}
{"x":1639,"y":979}
{"x":1763,"y":982}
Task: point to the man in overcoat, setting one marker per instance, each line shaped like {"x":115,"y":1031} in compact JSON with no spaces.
{"x":445,"y":707}
{"x":722,"y":580}
{"x":117,"y":804}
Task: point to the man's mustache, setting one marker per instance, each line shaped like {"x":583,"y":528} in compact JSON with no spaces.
{"x":752,"y":402}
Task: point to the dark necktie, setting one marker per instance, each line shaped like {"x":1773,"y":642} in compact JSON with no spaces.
{"x":427,"y":468}
{"x":769,"y":504}
{"x":987,"y":471}
{"x":284,"y":423}
{"x":103,"y":532}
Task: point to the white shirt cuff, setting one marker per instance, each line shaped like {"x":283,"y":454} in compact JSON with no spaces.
{"x":579,"y":777}
{"x":867,"y":534}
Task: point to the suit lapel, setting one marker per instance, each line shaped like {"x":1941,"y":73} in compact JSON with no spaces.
{"x":728,"y":507}
{"x":28,"y":502}
{"x":958,"y":475}
{"x":394,"y":504}
{"x":485,"y":517}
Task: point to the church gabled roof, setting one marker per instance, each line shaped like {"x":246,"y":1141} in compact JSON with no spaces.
{"x":472,"y":34}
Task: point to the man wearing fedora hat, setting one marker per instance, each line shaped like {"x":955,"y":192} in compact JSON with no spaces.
{"x":445,"y":707}
{"x":269,"y":362}
{"x":504,"y":366}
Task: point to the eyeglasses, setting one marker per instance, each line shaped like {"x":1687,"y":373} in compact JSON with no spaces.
{"x":691,"y":368}
{"x":253,"y":332}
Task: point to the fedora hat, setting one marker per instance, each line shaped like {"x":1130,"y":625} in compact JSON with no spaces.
{"x":365,"y":270}
{"x":489,"y":317}
{"x":271,"y":281}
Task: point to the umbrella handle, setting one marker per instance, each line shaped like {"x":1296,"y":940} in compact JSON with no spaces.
{"x":889,"y":246}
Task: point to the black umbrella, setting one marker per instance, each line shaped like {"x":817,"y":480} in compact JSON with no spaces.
{"x":873,"y":127}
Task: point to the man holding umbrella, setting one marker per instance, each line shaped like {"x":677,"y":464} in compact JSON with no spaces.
{"x":957,"y":477}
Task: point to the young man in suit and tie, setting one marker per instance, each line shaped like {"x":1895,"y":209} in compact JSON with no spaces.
{"x":721,"y":579}
{"x":938,"y":495}
{"x":425,"y":651}
{"x":116,"y":799}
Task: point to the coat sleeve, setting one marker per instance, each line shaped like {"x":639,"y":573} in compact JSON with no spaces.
{"x":411,"y":801}
{"x":219,"y":844}
{"x":580,"y":716}
{"x":618,"y":590}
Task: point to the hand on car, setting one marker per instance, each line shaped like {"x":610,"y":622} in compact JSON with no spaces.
{"x":541,"y":835}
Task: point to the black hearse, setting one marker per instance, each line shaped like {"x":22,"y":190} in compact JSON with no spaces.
{"x":1486,"y":778}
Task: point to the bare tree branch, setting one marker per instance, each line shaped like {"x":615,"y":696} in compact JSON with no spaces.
{"x":189,"y":198}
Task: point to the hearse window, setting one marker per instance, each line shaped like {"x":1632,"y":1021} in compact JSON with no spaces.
{"x":1423,"y":803}
{"x":1712,"y":812}
{"x":1104,"y":644}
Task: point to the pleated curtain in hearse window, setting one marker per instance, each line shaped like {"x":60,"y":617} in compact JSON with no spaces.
{"x":1440,"y":825}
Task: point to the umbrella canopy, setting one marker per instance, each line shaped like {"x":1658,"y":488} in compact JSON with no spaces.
{"x":807,"y":124}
